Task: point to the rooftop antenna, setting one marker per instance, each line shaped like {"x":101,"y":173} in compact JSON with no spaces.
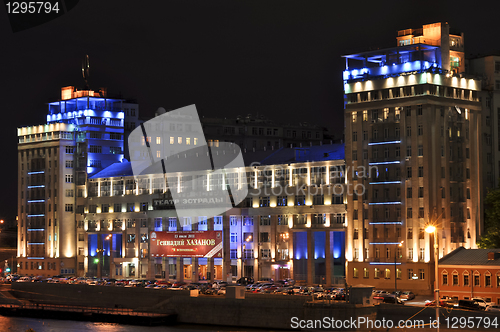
{"x":86,"y":71}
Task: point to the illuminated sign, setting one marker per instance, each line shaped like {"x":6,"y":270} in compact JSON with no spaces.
{"x":186,"y":244}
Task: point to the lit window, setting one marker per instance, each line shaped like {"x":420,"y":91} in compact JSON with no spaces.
{"x":195,"y":141}
{"x":158,"y":140}
{"x":179,"y":140}
{"x":172,"y":140}
{"x":188,"y":141}
{"x":158,"y":154}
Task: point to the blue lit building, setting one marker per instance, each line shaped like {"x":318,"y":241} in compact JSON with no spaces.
{"x":413,"y":124}
{"x":291,"y":225}
{"x":83,"y":134}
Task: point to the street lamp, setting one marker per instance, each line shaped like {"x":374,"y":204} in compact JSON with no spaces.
{"x":432,"y":229}
{"x":248,"y":239}
{"x":400,"y":244}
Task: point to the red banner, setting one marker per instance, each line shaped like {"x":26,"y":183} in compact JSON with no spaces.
{"x":186,"y":244}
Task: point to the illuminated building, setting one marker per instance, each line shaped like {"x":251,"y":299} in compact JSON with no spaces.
{"x":470,"y":273}
{"x":291,"y":225}
{"x":412,"y":114}
{"x":488,"y":67}
{"x":257,"y":132}
{"x":83,"y":134}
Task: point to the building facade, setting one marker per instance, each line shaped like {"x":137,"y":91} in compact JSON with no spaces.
{"x":488,"y":69}
{"x":410,"y":114}
{"x":259,"y":133}
{"x":83,"y":135}
{"x":469,"y":273}
{"x":291,"y":225}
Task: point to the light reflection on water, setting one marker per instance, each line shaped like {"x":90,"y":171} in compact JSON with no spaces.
{"x":21,"y":324}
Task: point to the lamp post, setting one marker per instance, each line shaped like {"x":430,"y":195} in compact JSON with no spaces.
{"x":243,"y":255}
{"x":400,"y":244}
{"x":432,"y":229}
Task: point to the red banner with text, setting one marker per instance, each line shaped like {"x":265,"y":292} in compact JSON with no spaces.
{"x":186,"y":244}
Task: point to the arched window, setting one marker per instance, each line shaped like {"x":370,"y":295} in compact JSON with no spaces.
{"x":444,"y":277}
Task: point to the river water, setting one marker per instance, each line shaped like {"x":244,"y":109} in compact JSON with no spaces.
{"x":21,"y":324}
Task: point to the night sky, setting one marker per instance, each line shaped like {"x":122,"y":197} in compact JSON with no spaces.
{"x":281,"y":59}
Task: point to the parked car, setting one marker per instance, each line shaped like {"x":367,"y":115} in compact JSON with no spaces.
{"x":407,"y":296}
{"x":469,"y":304}
{"x":392,"y":299}
{"x":24,"y":279}
{"x":442,"y":303}
{"x":494,"y":307}
{"x":482,"y":303}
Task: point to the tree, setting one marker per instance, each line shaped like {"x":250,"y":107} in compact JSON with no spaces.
{"x":491,"y":237}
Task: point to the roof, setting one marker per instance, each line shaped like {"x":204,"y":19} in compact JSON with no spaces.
{"x":251,"y":158}
{"x":462,"y":256}
{"x":115,"y":170}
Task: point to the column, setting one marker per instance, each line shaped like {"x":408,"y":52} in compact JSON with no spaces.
{"x":328,"y":260}
{"x":310,"y":257}
{"x":195,"y":275}
{"x":180,"y":269}
{"x":226,"y":259}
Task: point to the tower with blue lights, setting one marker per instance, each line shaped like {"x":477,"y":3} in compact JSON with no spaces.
{"x":84,"y":134}
{"x":412,"y":124}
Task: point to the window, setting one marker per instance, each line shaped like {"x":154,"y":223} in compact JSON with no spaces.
{"x":354,"y":135}
{"x":445,"y":279}
{"x":105,"y":208}
{"x":144,"y":206}
{"x":366,"y":273}
{"x":300,"y":200}
{"x":387,"y":274}
{"x":410,"y":274}
{"x":419,"y":109}
{"x":420,"y":150}
{"x":455,"y":279}
{"x":408,"y":110}
{"x":69,"y":163}
{"x":265,"y":220}
{"x":264,"y":201}
{"x":68,"y":207}
{"x":410,"y":253}
{"x":70,"y":193}
{"x":476,"y":280}
{"x":144,"y":237}
{"x":354,"y":155}
{"x":95,"y":149}
{"x":409,"y":213}
{"x":487,"y":280}
{"x":420,"y":193}
{"x":420,"y":171}
{"x":70,"y":149}
{"x":355,"y":273}
{"x":408,"y":131}
{"x":421,"y":274}
{"x":264,"y":237}
{"x":130,"y":238}
{"x":117,"y":207}
{"x":233,"y":253}
{"x":409,"y":192}
{"x":130,"y":207}
{"x":69,"y":178}
{"x":377,"y":273}
{"x":420,"y":130}
{"x":282,"y":201}
{"x":234,"y":237}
